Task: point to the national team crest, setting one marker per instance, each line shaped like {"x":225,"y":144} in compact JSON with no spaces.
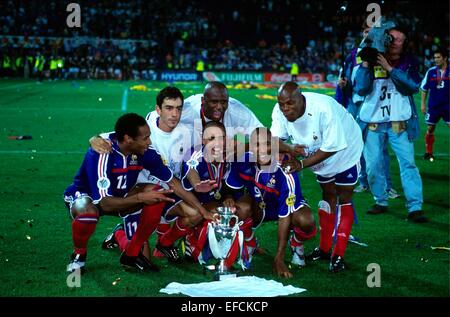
{"x":103,"y":183}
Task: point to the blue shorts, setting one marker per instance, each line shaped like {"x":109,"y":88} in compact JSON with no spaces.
{"x":346,"y":178}
{"x":168,"y":207}
{"x":434,"y":115}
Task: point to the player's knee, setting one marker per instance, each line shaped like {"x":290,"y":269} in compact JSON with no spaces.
{"x":83,"y":206}
{"x":149,"y":187}
{"x":345,"y":197}
{"x":194,"y":219}
{"x":304,"y":219}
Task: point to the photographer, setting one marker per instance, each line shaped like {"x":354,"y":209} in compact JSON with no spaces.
{"x":353,"y":103}
{"x":388,"y":84}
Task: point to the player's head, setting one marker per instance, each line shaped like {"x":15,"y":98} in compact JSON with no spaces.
{"x":214,"y":139}
{"x":133,"y":133}
{"x":440,"y":56}
{"x":215,"y":100}
{"x":291,"y":101}
{"x":261,"y":145}
{"x":169,"y":104}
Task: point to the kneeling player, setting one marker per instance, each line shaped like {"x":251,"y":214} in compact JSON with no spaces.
{"x":101,"y":186}
{"x":276,"y":195}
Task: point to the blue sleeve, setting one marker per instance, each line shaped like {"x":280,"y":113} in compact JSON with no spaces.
{"x":98,"y":174}
{"x":291,"y":197}
{"x":154,"y":164}
{"x":233,"y":180}
{"x":363,"y":81}
{"x":184,"y":180}
{"x":407,"y":82}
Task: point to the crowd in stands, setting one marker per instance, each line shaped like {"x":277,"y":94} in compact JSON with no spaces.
{"x":134,"y":38}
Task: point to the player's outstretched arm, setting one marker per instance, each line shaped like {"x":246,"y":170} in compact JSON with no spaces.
{"x":279,"y":267}
{"x":111,"y":204}
{"x":189,"y":198}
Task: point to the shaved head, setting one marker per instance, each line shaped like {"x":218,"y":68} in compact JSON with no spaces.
{"x":213,"y":85}
{"x":289,"y":88}
{"x":215,"y":100}
{"x":291,"y":101}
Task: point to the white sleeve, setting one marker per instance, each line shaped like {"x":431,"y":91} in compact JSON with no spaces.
{"x":333,"y":134}
{"x":423,"y":85}
{"x":278,"y":127}
{"x":243,"y":119}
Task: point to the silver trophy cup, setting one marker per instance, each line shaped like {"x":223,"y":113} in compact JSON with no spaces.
{"x":224,"y":231}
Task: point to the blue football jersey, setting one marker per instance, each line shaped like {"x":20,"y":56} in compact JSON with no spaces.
{"x":114,"y":174}
{"x":437,"y":84}
{"x":277,"y":192}
{"x":206,"y":171}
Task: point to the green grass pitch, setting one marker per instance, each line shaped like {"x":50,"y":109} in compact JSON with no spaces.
{"x":35,"y":230}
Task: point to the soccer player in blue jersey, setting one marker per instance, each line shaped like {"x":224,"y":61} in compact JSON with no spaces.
{"x":103,"y":186}
{"x":276,"y":195}
{"x":436,"y":84}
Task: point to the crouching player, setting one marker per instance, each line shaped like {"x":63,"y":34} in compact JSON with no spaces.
{"x":275,"y":195}
{"x":102,"y":187}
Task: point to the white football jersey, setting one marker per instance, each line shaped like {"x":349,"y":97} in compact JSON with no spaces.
{"x":238,"y":119}
{"x":325,"y":126}
{"x":172,"y":146}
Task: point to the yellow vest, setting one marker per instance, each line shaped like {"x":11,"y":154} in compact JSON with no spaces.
{"x":294,"y":69}
{"x":200,"y":66}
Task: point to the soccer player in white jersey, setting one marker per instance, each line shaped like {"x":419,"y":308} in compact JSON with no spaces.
{"x":215,"y":105}
{"x":330,"y":143}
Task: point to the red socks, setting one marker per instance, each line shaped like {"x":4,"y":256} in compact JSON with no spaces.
{"x":177,"y":231}
{"x":150,"y":217}
{"x":344,"y":228}
{"x":326,"y":222}
{"x":121,"y":238}
{"x":83,"y":227}
{"x":162,"y":229}
{"x":429,"y":140}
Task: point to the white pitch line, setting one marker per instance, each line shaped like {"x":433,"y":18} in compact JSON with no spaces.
{"x":17,"y":86}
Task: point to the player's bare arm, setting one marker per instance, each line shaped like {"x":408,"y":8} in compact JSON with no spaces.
{"x":119,"y":204}
{"x":100,"y":145}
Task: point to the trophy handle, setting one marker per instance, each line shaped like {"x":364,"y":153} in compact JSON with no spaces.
{"x":236,"y":221}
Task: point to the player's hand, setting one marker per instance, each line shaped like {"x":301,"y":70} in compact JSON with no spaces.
{"x":205,"y":186}
{"x":280,"y":269}
{"x":211,"y":216}
{"x":342,"y":82}
{"x":382,"y":61}
{"x":100,"y":145}
{"x":229,"y":202}
{"x":155,"y":197}
{"x":292,"y":166}
{"x":298,"y":150}
{"x":423,"y":108}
